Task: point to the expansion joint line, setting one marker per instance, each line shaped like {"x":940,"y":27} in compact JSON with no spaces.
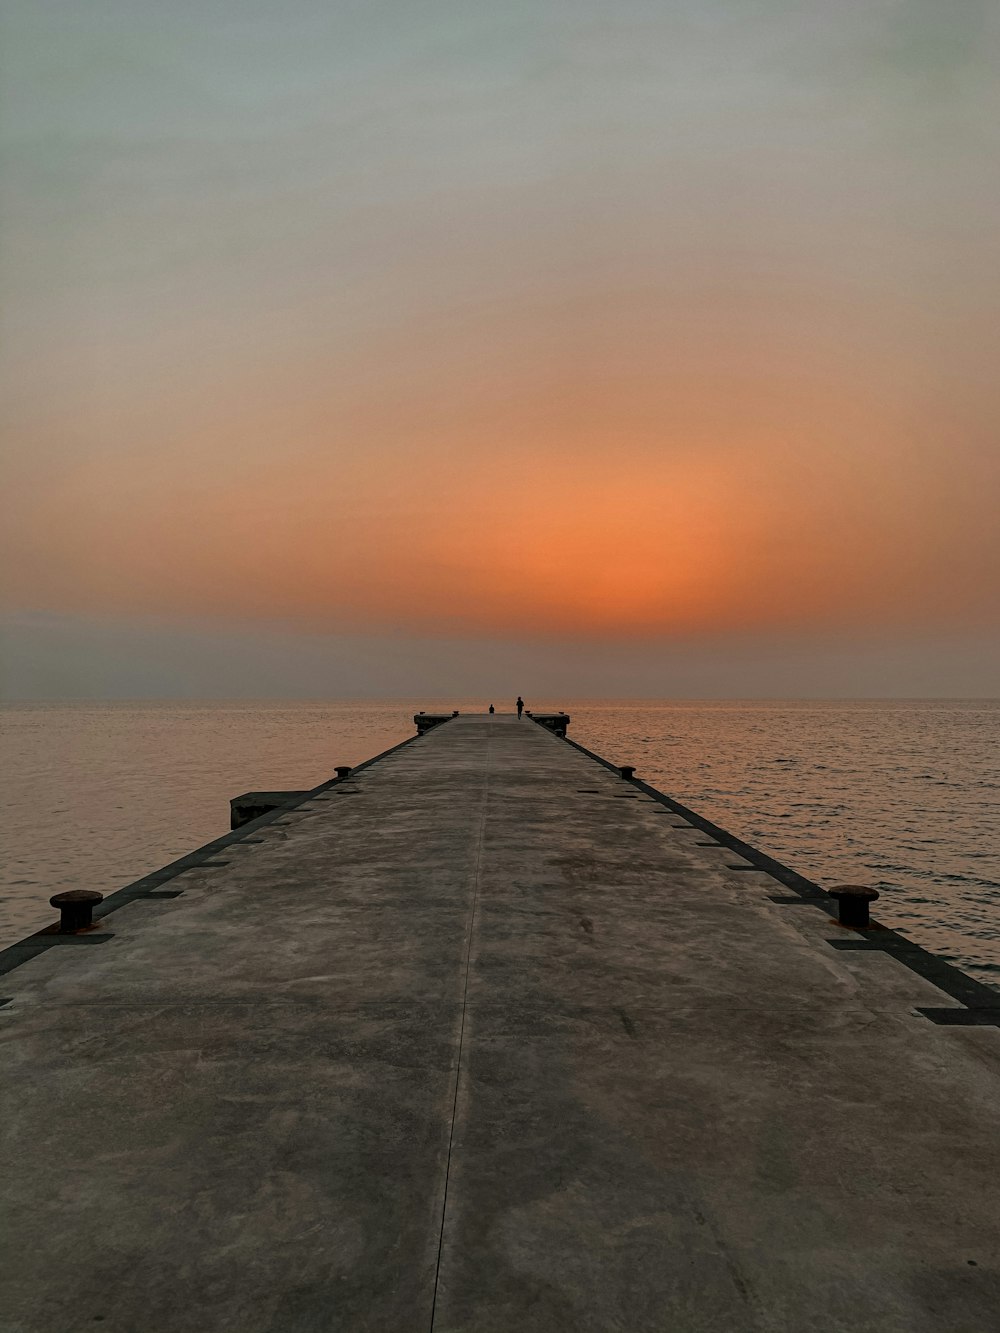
{"x":477,"y":864}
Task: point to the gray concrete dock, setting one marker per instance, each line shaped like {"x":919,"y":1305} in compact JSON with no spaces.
{"x":483,"y":1038}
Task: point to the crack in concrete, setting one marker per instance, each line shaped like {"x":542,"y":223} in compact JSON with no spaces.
{"x":465,"y":1006}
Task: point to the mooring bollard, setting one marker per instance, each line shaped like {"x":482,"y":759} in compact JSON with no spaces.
{"x":454,"y":712}
{"x":852,"y":903}
{"x":343,"y":770}
{"x":627,"y":771}
{"x":76,"y":909}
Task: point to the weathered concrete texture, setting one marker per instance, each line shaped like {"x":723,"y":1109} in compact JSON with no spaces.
{"x":470,"y":986}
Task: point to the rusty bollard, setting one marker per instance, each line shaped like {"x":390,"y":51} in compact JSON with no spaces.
{"x":852,"y":903}
{"x":76,"y":909}
{"x":454,"y":712}
{"x":627,"y":771}
{"x":343,"y":770}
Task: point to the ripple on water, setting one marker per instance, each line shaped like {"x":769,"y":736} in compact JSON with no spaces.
{"x":897,"y":792}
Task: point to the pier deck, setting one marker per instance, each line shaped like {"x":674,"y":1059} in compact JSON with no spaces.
{"x":482,"y":1038}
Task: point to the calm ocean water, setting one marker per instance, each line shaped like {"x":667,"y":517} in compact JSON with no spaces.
{"x":899,"y":794}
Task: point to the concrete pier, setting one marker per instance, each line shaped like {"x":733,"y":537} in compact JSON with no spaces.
{"x":484,"y":1036}
{"x":252,"y":804}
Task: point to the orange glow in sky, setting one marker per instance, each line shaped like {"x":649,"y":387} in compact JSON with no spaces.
{"x":645,"y":322}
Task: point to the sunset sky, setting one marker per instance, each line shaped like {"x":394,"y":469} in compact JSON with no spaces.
{"x":643,"y":346}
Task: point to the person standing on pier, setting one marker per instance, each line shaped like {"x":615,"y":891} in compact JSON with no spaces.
{"x":520,"y":707}
{"x":492,"y":709}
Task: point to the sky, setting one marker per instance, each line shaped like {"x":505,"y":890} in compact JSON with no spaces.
{"x":644,"y":348}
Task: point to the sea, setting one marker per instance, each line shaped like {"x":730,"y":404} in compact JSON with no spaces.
{"x":903,"y":795}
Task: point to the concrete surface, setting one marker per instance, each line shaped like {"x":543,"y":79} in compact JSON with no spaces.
{"x":467,"y":1041}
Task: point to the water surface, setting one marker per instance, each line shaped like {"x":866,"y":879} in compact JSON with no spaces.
{"x":899,"y":794}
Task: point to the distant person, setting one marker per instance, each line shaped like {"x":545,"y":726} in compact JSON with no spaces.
{"x":520,"y":707}
{"x":492,"y":709}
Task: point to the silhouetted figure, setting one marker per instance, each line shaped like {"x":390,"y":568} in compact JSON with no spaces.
{"x":492,"y":709}
{"x":520,"y":707}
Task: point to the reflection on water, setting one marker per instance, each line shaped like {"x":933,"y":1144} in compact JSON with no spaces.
{"x":901,"y":795}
